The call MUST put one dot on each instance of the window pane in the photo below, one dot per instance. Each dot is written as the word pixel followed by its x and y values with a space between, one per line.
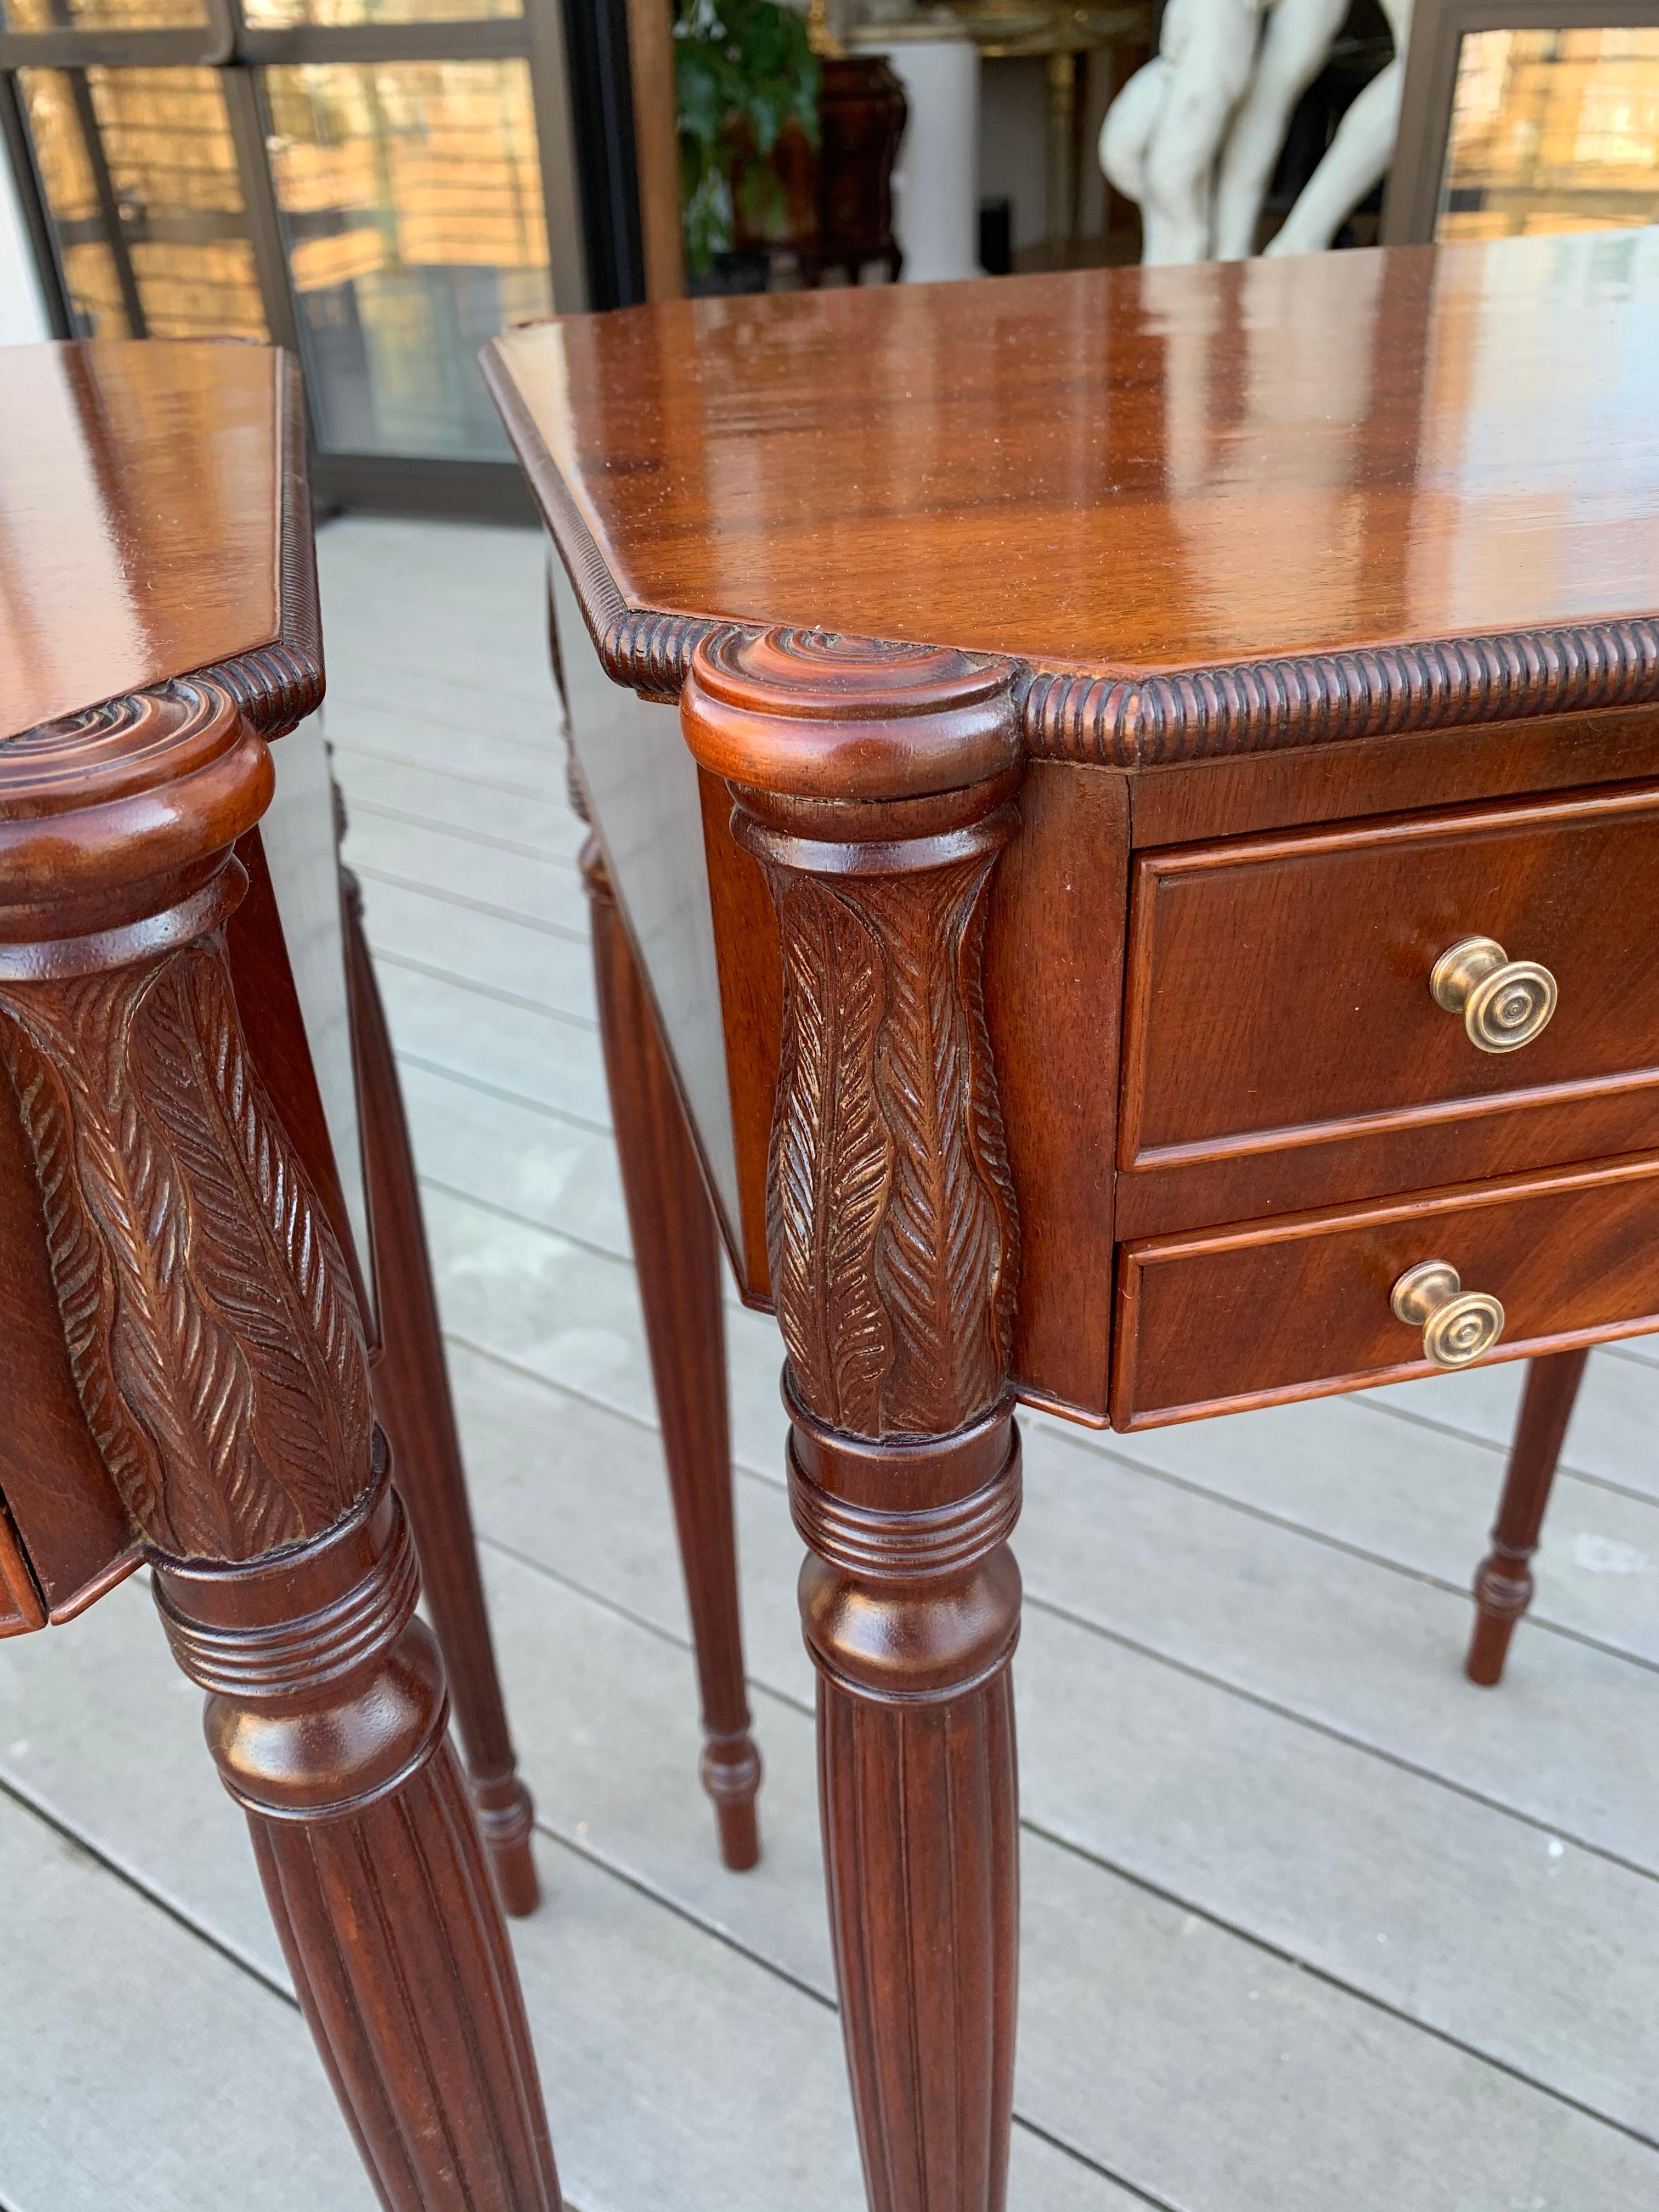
pixel 102 15
pixel 200 291
pixel 60 145
pixel 1551 131
pixel 412 204
pixel 95 290
pixel 140 178
pixel 284 15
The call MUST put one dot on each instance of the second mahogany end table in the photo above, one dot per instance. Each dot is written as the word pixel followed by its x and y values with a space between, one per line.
pixel 1132 805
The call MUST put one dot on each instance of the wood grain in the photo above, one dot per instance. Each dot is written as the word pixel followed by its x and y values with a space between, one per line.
pixel 1221 509
pixel 142 512
pixel 63 1510
pixel 21 1604
pixel 325 1715
pixel 672 1229
pixel 1297 969
pixel 208 1319
pixel 212 1330
pixel 749 959
pixel 1503 1581
pixel 1054 954
pixel 1234 795
pixel 1269 1311
pixel 892 1236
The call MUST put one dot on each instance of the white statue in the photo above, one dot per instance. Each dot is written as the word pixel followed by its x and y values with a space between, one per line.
pixel 1356 158
pixel 1159 141
pixel 1193 136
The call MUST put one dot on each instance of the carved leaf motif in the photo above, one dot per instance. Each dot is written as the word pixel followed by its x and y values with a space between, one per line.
pixel 271 1268
pixel 83 1279
pixel 134 1206
pixel 831 1159
pixel 985 1130
pixel 212 1334
pixel 939 1253
pixel 891 1220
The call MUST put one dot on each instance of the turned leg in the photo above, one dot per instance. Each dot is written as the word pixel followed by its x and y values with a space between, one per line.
pixel 873 784
pixel 911 1617
pixel 1503 1581
pixel 326 1715
pixel 411 1390
pixel 676 1247
pixel 214 1339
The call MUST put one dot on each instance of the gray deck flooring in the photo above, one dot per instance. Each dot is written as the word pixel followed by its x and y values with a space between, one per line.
pixel 1309 1923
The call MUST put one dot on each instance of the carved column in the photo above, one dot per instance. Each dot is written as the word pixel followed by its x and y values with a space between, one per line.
pixel 218 1355
pixel 873 784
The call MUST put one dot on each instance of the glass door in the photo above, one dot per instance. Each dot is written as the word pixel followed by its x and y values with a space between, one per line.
pixel 382 184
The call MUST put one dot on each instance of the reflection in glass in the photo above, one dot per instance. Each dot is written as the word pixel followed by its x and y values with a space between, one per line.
pixel 286 15
pixel 140 177
pixel 411 205
pixel 1551 131
pixel 102 15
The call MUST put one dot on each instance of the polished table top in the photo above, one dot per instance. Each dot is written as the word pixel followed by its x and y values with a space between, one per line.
pixel 1126 469
pixel 140 488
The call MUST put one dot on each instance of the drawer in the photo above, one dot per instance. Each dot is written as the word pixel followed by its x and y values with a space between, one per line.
pixel 1295 1307
pixel 1277 989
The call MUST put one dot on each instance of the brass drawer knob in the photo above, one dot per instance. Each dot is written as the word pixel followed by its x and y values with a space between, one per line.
pixel 1457 1325
pixel 1505 1003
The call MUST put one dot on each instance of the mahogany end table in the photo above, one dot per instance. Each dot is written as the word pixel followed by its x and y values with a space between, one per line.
pixel 208 1286
pixel 1132 801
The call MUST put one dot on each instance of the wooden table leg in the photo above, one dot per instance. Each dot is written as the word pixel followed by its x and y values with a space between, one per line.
pixel 412 1388
pixel 327 1715
pixel 1503 1581
pixel 218 1355
pixel 676 1248
pixel 893 1243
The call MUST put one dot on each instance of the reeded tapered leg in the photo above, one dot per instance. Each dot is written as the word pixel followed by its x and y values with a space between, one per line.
pixel 911 1616
pixel 1503 1581
pixel 412 1390
pixel 676 1248
pixel 326 1714
pixel 213 1337
pixel 872 783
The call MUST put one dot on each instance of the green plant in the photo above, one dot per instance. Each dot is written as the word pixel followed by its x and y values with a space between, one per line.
pixel 743 71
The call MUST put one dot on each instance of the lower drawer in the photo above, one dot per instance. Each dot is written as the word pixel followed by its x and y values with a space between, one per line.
pixel 1296 1307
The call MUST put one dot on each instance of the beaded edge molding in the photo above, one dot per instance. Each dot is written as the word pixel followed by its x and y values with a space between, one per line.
pixel 277 685
pixel 1099 720
pixel 1266 706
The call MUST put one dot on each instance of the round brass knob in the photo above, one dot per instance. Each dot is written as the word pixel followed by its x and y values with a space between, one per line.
pixel 1505 1003
pixel 1457 1325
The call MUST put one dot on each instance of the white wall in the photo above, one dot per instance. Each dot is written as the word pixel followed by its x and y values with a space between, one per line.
pixel 22 316
pixel 1013 142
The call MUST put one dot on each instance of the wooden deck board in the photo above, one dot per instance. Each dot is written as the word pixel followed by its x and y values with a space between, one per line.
pixel 141 2068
